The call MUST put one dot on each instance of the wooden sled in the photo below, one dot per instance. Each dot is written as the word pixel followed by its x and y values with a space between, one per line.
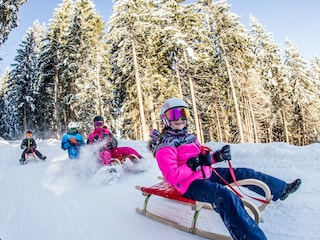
pixel 29 157
pixel 165 190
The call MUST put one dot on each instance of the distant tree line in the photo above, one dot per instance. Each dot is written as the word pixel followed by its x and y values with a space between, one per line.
pixel 239 84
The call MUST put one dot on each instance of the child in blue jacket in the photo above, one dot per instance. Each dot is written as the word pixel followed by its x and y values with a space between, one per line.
pixel 72 141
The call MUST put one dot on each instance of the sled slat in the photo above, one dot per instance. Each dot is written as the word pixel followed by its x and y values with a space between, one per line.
pixel 201 233
pixel 166 190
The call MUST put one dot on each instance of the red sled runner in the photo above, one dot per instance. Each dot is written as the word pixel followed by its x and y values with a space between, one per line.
pixel 165 190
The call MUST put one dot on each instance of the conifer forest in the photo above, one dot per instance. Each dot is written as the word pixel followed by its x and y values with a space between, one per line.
pixel 240 85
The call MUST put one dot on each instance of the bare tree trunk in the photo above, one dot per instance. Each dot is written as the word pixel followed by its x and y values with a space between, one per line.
pixel 56 112
pixel 25 118
pixel 254 124
pixel 139 91
pixel 178 77
pixel 235 100
pixel 218 126
pixel 285 126
pixel 152 113
pixel 99 87
pixel 268 128
pixel 193 98
pixel 201 131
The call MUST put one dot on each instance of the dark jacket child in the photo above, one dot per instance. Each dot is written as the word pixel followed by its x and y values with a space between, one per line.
pixel 29 145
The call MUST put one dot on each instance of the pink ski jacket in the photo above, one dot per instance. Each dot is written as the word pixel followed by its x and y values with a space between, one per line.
pixel 172 163
pixel 98 134
pixel 103 134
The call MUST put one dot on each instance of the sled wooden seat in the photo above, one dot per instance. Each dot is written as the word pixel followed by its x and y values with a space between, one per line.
pixel 166 190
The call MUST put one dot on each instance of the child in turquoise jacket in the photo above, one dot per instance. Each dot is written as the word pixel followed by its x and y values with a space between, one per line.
pixel 72 141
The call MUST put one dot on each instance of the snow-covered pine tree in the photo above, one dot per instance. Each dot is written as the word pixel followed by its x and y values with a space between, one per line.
pixel 9 18
pixel 304 118
pixel 23 84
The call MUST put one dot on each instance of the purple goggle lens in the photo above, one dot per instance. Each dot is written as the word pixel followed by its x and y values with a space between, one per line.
pixel 98 124
pixel 176 113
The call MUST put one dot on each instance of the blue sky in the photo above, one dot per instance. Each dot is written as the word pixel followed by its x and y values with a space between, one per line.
pixel 293 19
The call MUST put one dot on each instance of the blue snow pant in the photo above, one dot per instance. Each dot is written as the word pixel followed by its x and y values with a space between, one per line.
pixel 228 205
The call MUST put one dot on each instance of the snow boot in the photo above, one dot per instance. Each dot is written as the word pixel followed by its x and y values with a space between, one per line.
pixel 22 161
pixel 291 188
pixel 43 158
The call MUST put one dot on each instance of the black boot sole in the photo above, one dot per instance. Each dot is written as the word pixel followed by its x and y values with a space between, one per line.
pixel 293 187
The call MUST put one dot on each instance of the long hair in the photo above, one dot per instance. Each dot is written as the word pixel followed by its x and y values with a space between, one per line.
pixel 154 140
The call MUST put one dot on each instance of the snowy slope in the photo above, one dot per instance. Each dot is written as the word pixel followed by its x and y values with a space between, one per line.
pixel 57 199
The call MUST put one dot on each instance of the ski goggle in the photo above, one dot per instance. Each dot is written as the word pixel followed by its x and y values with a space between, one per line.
pixel 73 129
pixel 98 124
pixel 175 113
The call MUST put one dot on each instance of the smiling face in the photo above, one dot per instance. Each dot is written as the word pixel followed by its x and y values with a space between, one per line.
pixel 178 124
pixel 177 117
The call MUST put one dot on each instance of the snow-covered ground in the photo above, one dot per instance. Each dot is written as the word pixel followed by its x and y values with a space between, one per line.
pixel 58 199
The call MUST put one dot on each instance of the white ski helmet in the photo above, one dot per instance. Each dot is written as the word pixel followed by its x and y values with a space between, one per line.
pixel 169 104
pixel 73 126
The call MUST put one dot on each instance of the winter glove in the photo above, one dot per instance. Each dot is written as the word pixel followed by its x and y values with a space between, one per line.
pixel 112 142
pixel 73 141
pixel 222 155
pixel 112 145
pixel 105 136
pixel 205 159
pixel 195 163
pixel 96 138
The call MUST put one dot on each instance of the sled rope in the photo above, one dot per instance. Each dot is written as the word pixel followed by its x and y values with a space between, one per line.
pixel 236 183
pixel 265 201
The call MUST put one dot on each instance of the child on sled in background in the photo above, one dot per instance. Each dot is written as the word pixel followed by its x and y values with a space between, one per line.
pixel 72 141
pixel 29 145
pixel 109 149
pixel 186 166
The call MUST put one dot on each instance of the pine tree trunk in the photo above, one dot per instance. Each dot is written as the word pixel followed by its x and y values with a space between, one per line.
pixel 193 98
pixel 139 91
pixel 285 126
pixel 55 106
pixel 235 100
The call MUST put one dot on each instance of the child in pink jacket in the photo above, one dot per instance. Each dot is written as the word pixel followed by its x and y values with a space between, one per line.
pixel 186 166
pixel 110 147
